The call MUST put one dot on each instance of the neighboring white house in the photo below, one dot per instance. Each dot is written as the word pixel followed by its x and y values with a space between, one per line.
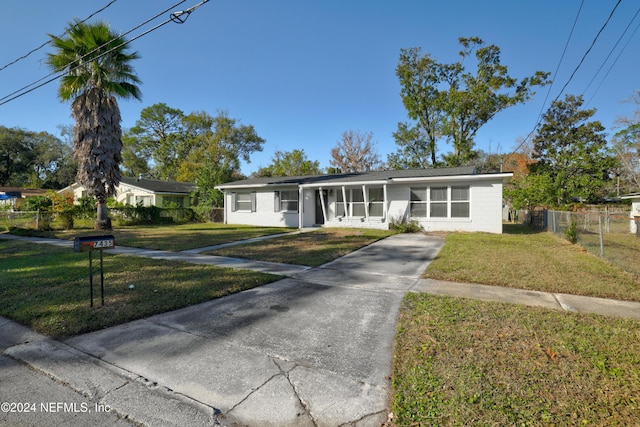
pixel 145 192
pixel 14 197
pixel 635 211
pixel 443 199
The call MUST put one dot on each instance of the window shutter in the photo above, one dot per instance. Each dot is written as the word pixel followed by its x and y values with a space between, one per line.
pixel 233 202
pixel 276 201
pixel 253 201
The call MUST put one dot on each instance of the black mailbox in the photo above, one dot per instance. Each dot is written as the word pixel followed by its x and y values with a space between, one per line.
pixel 93 243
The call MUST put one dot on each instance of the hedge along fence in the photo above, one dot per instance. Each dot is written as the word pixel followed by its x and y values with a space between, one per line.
pixel 140 215
pixel 130 215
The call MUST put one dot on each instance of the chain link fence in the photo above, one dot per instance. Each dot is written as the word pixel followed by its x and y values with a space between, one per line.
pixel 611 234
pixel 24 219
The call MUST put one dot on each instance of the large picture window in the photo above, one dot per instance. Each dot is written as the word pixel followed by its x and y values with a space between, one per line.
pixel 440 202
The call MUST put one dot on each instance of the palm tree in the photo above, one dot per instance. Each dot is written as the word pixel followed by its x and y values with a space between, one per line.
pixel 97 68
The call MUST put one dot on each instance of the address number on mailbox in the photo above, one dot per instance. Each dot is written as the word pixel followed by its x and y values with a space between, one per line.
pixel 91 243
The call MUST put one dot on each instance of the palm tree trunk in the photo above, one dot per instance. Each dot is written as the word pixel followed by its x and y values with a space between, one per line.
pixel 103 222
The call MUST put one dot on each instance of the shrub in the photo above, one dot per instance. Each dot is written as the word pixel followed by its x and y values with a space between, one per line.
pixel 571 232
pixel 404 225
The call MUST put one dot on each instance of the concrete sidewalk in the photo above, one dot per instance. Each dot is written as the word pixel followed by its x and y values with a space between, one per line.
pixel 314 349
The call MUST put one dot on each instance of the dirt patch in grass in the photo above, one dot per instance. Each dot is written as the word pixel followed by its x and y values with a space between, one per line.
pixel 463 362
pixel 47 288
pixel 313 248
pixel 528 260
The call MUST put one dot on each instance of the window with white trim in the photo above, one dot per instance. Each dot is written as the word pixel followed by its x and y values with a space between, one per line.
pixel 376 201
pixel 245 202
pixel 440 202
pixel 144 201
pixel 460 202
pixel 286 201
pixel 355 202
pixel 418 208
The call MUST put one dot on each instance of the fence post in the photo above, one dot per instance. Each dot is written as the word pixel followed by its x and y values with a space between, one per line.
pixel 601 237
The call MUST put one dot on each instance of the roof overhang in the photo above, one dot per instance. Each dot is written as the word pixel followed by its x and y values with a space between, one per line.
pixel 503 177
pixel 223 187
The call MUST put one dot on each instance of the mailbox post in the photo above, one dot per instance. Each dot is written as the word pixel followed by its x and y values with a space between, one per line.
pixel 90 244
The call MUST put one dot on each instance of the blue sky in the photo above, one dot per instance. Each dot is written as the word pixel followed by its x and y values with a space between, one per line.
pixel 303 72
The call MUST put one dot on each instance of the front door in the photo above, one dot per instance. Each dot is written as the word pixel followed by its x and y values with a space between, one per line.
pixel 319 216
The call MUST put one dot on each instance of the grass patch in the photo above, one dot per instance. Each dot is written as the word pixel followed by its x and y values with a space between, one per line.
pixel 463 362
pixel 47 288
pixel 312 249
pixel 523 259
pixel 621 249
pixel 172 237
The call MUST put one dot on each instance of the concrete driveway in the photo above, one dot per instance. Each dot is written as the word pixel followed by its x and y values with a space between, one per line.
pixel 311 350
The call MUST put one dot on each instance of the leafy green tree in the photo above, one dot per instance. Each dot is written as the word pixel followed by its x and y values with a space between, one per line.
pixel 447 102
pixel 214 147
pixel 155 136
pixel 415 147
pixel 16 157
pixel 34 159
pixel 290 163
pixel 97 67
pixel 530 191
pixel 572 152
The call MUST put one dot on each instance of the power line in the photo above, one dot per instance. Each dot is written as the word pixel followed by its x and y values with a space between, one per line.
pixel 588 50
pixel 60 36
pixel 615 60
pixel 555 73
pixel 574 71
pixel 54 76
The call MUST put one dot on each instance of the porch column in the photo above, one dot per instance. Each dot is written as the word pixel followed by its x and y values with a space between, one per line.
pixel 384 200
pixel 366 201
pixel 324 209
pixel 344 202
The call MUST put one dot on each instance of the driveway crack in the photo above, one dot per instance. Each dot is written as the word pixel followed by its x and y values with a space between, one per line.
pixel 304 404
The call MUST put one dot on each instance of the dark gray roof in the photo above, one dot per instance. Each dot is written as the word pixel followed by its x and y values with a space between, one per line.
pixel 352 177
pixel 158 186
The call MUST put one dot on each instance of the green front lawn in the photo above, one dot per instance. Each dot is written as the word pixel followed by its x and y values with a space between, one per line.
pixel 521 258
pixel 173 237
pixel 47 288
pixel 460 362
pixel 463 362
pixel 311 248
